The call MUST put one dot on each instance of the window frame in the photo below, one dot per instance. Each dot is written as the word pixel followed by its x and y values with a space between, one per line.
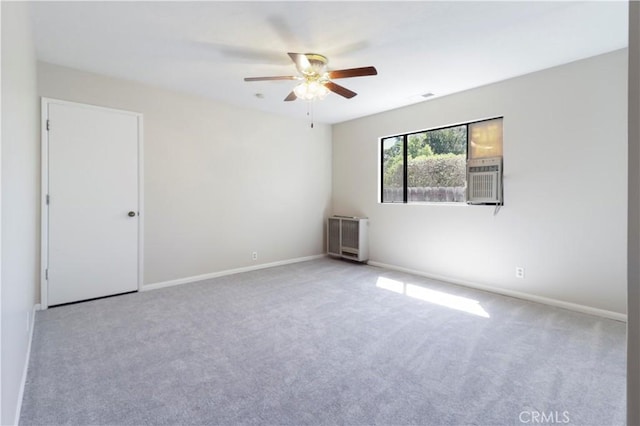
pixel 405 162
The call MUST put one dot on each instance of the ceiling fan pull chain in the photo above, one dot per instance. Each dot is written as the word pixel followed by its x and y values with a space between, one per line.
pixel 310 112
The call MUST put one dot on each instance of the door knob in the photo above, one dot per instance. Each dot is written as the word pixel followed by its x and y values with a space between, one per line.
pixel 132 214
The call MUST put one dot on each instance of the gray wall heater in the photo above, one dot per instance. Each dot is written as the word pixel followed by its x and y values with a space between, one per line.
pixel 347 237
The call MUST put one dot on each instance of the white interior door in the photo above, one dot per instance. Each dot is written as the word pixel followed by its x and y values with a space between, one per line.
pixel 93 211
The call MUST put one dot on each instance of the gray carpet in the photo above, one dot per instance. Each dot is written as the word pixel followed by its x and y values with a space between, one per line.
pixel 322 342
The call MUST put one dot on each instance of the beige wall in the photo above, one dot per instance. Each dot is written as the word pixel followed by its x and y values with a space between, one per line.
pixel 633 327
pixel 20 199
pixel 220 182
pixel 565 187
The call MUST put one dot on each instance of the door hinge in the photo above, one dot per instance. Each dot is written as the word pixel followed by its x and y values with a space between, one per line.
pixel 47 199
pixel 47 125
pixel 46 274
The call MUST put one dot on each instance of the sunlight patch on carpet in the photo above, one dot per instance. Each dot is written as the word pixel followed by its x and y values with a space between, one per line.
pixel 459 303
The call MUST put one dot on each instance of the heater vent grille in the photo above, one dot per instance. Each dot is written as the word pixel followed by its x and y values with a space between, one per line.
pixel 334 235
pixel 350 232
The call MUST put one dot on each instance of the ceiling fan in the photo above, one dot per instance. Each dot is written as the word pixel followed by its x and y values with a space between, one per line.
pixel 315 79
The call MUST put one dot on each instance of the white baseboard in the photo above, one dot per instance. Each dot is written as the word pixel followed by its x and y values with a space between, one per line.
pixel 519 295
pixel 179 281
pixel 23 381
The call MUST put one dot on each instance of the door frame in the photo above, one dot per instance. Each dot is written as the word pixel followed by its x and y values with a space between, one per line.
pixel 44 190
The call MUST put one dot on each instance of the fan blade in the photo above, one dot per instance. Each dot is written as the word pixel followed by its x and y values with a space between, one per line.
pixel 301 60
pixel 294 56
pixel 284 77
pixel 291 97
pixel 353 72
pixel 342 91
pixel 250 55
pixel 281 27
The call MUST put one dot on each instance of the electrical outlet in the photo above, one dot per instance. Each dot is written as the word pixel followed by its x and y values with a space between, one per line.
pixel 519 272
pixel 254 255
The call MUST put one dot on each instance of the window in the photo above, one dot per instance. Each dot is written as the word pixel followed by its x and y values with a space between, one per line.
pixel 485 138
pixel 430 166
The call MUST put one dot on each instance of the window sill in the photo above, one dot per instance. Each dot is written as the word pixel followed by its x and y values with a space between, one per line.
pixel 427 203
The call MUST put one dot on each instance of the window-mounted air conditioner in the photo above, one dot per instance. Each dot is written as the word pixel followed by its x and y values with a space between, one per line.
pixel 347 237
pixel 484 181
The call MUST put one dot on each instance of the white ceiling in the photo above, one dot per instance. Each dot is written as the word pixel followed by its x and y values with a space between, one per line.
pixel 206 48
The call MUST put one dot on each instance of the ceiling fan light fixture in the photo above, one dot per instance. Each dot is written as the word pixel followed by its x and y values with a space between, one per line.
pixel 310 90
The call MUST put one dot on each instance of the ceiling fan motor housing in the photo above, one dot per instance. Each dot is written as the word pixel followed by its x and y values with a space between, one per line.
pixel 316 66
